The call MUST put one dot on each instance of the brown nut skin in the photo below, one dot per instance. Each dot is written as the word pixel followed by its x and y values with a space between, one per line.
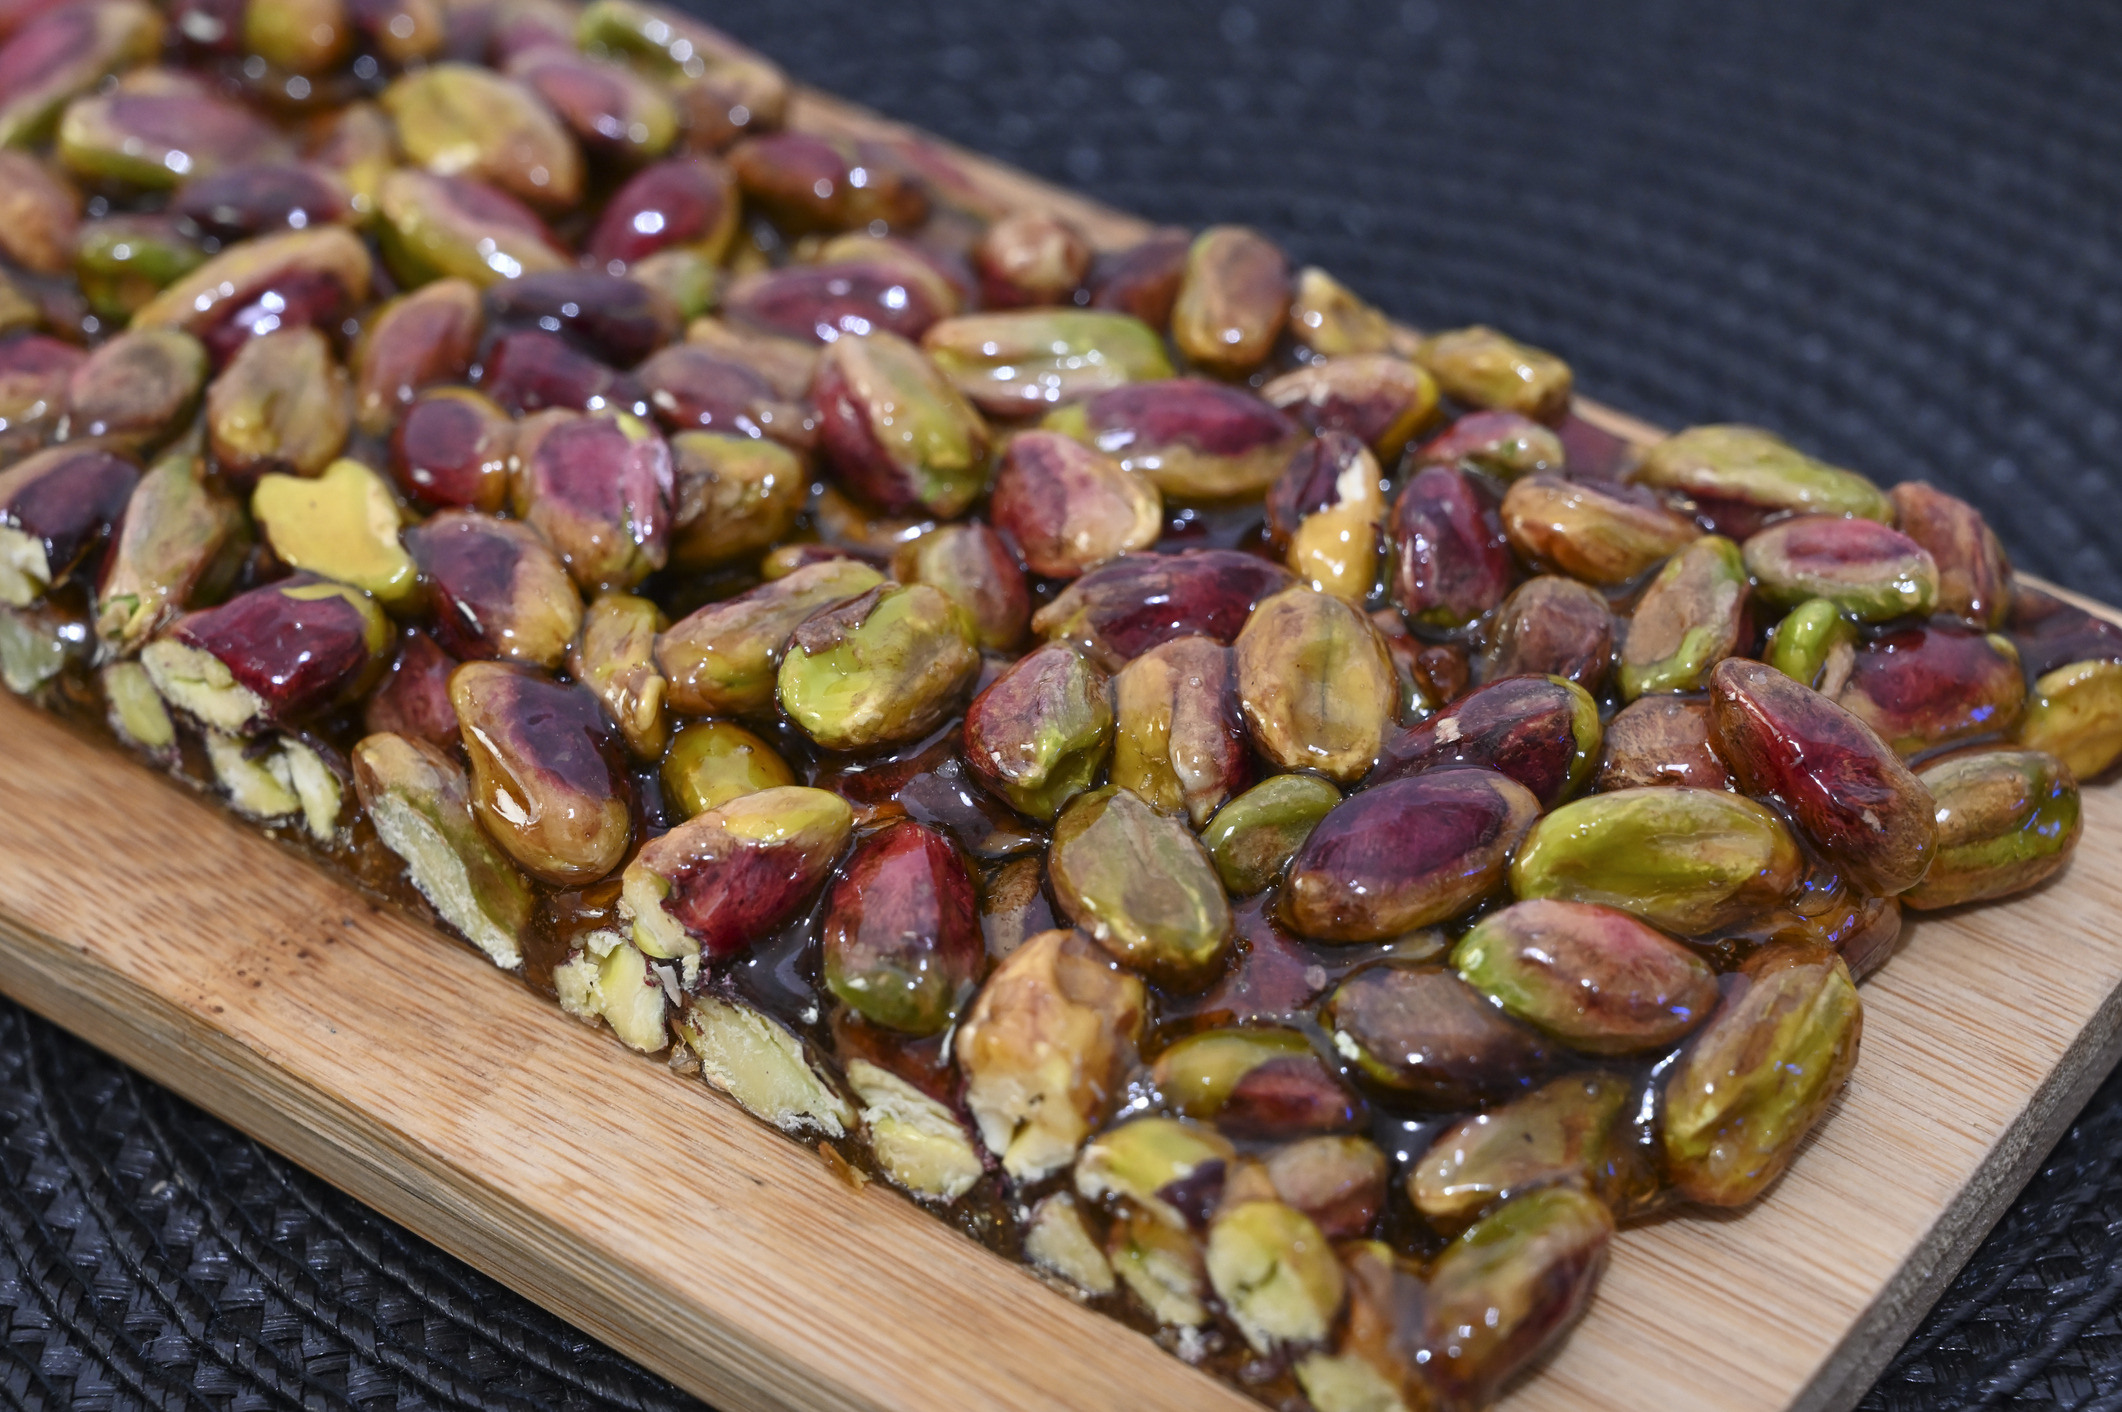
pixel 1233 300
pixel 1506 445
pixel 732 497
pixel 1045 1049
pixel 615 658
pixel 544 780
pixel 1600 534
pixel 1315 683
pixel 1597 979
pixel 1143 887
pixel 1143 279
pixel 1421 1032
pixel 895 430
pixel 1069 508
pixel 40 214
pixel 973 567
pixel 287 651
pixel 682 203
pixel 413 698
pixel 1451 562
pixel 1755 1079
pixel 1661 740
pixel 1180 743
pixel 451 450
pixel 1543 732
pixel 811 183
pixel 1029 258
pixel 1410 853
pixel 2008 820
pixel 56 508
pixel 1379 399
pixel 1850 794
pixel 1197 441
pixel 1013 906
pixel 1553 626
pixel 725 880
pixel 264 285
pixel 1568 1132
pixel 34 372
pixel 282 404
pixel 614 319
pixel 1040 733
pixel 1482 368
pixel 901 939
pixel 1974 577
pixel 1924 687
pixel 497 588
pixel 1869 571
pixel 1256 1084
pixel 1120 610
pixel 599 489
pixel 721 660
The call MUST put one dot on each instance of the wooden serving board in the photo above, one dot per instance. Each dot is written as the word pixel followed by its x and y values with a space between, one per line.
pixel 393 1062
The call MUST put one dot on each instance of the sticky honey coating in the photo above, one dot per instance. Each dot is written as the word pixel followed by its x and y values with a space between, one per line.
pixel 1095 732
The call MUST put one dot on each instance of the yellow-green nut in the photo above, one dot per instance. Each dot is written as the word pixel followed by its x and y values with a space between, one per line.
pixel 1870 571
pixel 1687 621
pixel 2007 820
pixel 882 669
pixel 1021 361
pixel 182 541
pixel 282 403
pixel 1233 300
pixel 721 660
pixel 463 120
pixel 1331 320
pixel 1752 1083
pixel 1316 683
pixel 123 262
pixel 431 227
pixel 1565 1133
pixel 1039 735
pixel 2075 714
pixel 614 656
pixel 1815 644
pixel 1141 884
pixel 1688 860
pixel 343 524
pixel 732 496
pixel 1746 466
pixel 1480 367
pixel 1169 1169
pixel 1256 1083
pixel 1276 1274
pixel 1252 838
pixel 420 803
pixel 710 763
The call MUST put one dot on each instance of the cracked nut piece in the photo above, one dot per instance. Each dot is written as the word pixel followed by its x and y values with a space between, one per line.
pixel 544 780
pixel 275 654
pixel 1689 619
pixel 1568 1132
pixel 420 803
pixel 1752 1083
pixel 1142 885
pixel 1162 1267
pixel 1045 1049
pixel 1276 1274
pixel 722 659
pixel 1406 854
pixel 710 763
pixel 1252 838
pixel 1687 860
pixel 1040 733
pixel 283 403
pixel 615 658
pixel 1601 535
pixel 1069 508
pixel 882 669
pixel 762 1066
pixel 728 877
pixel 1451 561
pixel 271 778
pixel 1058 1242
pixel 179 545
pixel 1483 368
pixel 901 939
pixel 1596 979
pixel 1542 732
pixel 919 1142
pixel 2008 820
pixel 1328 510
pixel 1263 1084
pixel 2074 712
pixel 497 588
pixel 1195 440
pixel 1422 1032
pixel 342 525
pixel 1740 477
pixel 1868 570
pixel 57 507
pixel 1180 744
pixel 1233 300
pixel 619 987
pixel 1315 683
pixel 898 434
pixel 1845 789
pixel 1168 1169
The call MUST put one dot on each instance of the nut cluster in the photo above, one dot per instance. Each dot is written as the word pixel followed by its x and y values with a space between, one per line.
pixel 1271 819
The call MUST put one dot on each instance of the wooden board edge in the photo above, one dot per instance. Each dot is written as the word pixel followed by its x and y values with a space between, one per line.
pixel 374 1165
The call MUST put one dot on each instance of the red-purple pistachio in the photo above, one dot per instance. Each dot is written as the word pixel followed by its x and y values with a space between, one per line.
pixel 451 449
pixel 1422 1032
pixel 1195 440
pixel 56 508
pixel 1120 610
pixel 974 568
pixel 273 655
pixel 1377 398
pixel 544 771
pixel 1974 578
pixel 897 433
pixel 901 941
pixel 726 879
pixel 822 303
pixel 1553 626
pixel 1040 733
pixel 1029 258
pixel 413 698
pixel 1924 687
pixel 263 196
pixel 1142 280
pixel 1542 732
pixel 812 183
pixel 412 343
pixel 1070 508
pixel 531 370
pixel 1506 445
pixel 1603 534
pixel 599 488
pixel 497 588
pixel 1661 740
pixel 1596 979
pixel 614 319
pixel 693 388
pixel 1233 300
pixel 1451 562
pixel 683 203
pixel 1181 744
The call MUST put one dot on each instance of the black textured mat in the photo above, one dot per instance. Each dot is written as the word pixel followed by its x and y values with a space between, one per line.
pixel 1891 230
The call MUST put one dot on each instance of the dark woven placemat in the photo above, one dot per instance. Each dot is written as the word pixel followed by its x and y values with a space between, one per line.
pixel 1892 230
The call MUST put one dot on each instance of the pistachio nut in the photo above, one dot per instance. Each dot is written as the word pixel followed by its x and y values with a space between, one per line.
pixel 762 1066
pixel 123 262
pixel 1974 577
pixel 1332 322
pixel 882 669
pixel 1264 1084
pixel 1814 645
pixel 1660 740
pixel 1686 860
pixel 272 778
pixel 731 876
pixel 1869 571
pixel 1057 1241
pixel 695 388
pixel 616 114
pixel 1193 439
pixel 1142 886
pixel 66 51
pixel 413 698
pixel 1233 300
pixel 1315 684
pixel 274 655
pixel 1689 619
pixel 410 344
pixel 1023 361
pixel 807 182
pixel 1755 1079
pixel 134 709
pixel 179 545
pixel 1451 562
pixel 1013 906
pixel 1482 368
pixel 283 403
pixel 1542 732
pixel 1566 1133
pixel 901 939
pixel 355 145
pixel 451 450
pixel 825 303
pixel 1142 280
pixel 342 525
pixel 1596 979
pixel 1553 626
pixel 2074 713
pixel 433 227
pixel 896 432
pixel 732 497
pixel 1180 744
pixel 421 806
pixel 497 588
pixel 1602 534
pixel 615 658
pixel 1407 854
pixel 264 285
pixel 2051 633
pixel 1740 477
pixel 1168 1169
pixel 1378 398
pixel 1923 687
pixel 459 120
pixel 138 389
pixel 620 988
pixel 1045 1049
pixel 1030 258
pixel 1845 789
pixel 534 370
pixel 1337 1180
pixel 1252 838
pixel 973 567
pixel 40 214
pixel 1276 1274
pixel 1421 1032
pixel 34 372
pixel 545 781
pixel 1506 445
pixel 1121 609
pixel 2008 820
pixel 918 1141
pixel 710 763
pixel 1040 733
pixel 612 318
pixel 1069 508
pixel 297 36
pixel 156 130
pixel 57 507
pixel 1163 1267
pixel 1329 507
pixel 722 659
pixel 683 203
pixel 599 489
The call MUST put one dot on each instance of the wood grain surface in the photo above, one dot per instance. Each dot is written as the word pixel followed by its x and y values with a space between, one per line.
pixel 393 1062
